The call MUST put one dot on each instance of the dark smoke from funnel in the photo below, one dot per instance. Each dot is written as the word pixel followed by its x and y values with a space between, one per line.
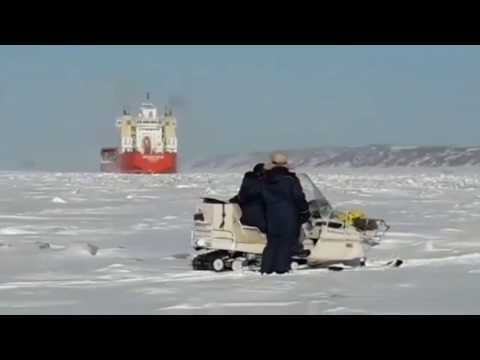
pixel 178 103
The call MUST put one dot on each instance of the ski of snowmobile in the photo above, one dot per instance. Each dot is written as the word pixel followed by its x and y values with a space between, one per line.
pixel 394 263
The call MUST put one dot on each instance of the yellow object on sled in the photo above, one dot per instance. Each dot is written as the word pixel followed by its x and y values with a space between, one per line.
pixel 349 217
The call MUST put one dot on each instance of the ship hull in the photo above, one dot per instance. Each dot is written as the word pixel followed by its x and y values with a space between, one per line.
pixel 137 163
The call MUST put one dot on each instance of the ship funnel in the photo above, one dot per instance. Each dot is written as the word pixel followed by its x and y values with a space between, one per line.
pixel 148 95
pixel 168 111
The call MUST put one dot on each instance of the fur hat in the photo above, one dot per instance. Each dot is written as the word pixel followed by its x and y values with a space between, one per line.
pixel 278 159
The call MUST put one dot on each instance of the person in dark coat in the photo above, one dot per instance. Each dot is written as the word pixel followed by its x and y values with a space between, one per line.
pixel 250 198
pixel 286 209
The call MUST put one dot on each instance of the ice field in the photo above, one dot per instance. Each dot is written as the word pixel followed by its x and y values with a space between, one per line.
pixel 91 243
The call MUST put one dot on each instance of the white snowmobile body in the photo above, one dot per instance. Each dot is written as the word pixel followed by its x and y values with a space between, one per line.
pixel 219 234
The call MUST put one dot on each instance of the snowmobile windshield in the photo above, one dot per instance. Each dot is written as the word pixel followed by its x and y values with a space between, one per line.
pixel 319 205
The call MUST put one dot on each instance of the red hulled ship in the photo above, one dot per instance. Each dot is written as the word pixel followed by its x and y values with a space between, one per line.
pixel 148 143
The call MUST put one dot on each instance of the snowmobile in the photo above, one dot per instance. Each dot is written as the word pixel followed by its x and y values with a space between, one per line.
pixel 334 238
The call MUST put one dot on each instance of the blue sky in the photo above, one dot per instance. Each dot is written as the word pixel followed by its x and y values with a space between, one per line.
pixel 58 104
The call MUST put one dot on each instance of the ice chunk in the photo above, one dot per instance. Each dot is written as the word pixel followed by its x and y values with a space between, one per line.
pixel 92 249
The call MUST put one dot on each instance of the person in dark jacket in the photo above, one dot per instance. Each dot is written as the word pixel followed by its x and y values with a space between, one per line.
pixel 250 198
pixel 286 209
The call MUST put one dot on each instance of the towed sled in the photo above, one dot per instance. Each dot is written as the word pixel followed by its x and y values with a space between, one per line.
pixel 335 239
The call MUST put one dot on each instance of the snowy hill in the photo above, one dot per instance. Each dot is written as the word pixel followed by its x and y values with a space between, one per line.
pixel 364 156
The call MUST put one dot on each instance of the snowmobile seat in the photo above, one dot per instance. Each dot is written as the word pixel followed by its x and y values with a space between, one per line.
pixel 208 200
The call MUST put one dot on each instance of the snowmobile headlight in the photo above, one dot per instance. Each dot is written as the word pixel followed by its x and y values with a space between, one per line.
pixel 196 238
pixel 200 243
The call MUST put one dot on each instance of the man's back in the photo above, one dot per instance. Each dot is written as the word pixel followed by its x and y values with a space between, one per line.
pixel 284 202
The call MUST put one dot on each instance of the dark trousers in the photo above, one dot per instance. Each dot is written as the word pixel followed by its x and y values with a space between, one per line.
pixel 277 255
pixel 298 245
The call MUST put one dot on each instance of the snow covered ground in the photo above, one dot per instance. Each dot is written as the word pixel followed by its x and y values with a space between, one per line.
pixel 86 243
